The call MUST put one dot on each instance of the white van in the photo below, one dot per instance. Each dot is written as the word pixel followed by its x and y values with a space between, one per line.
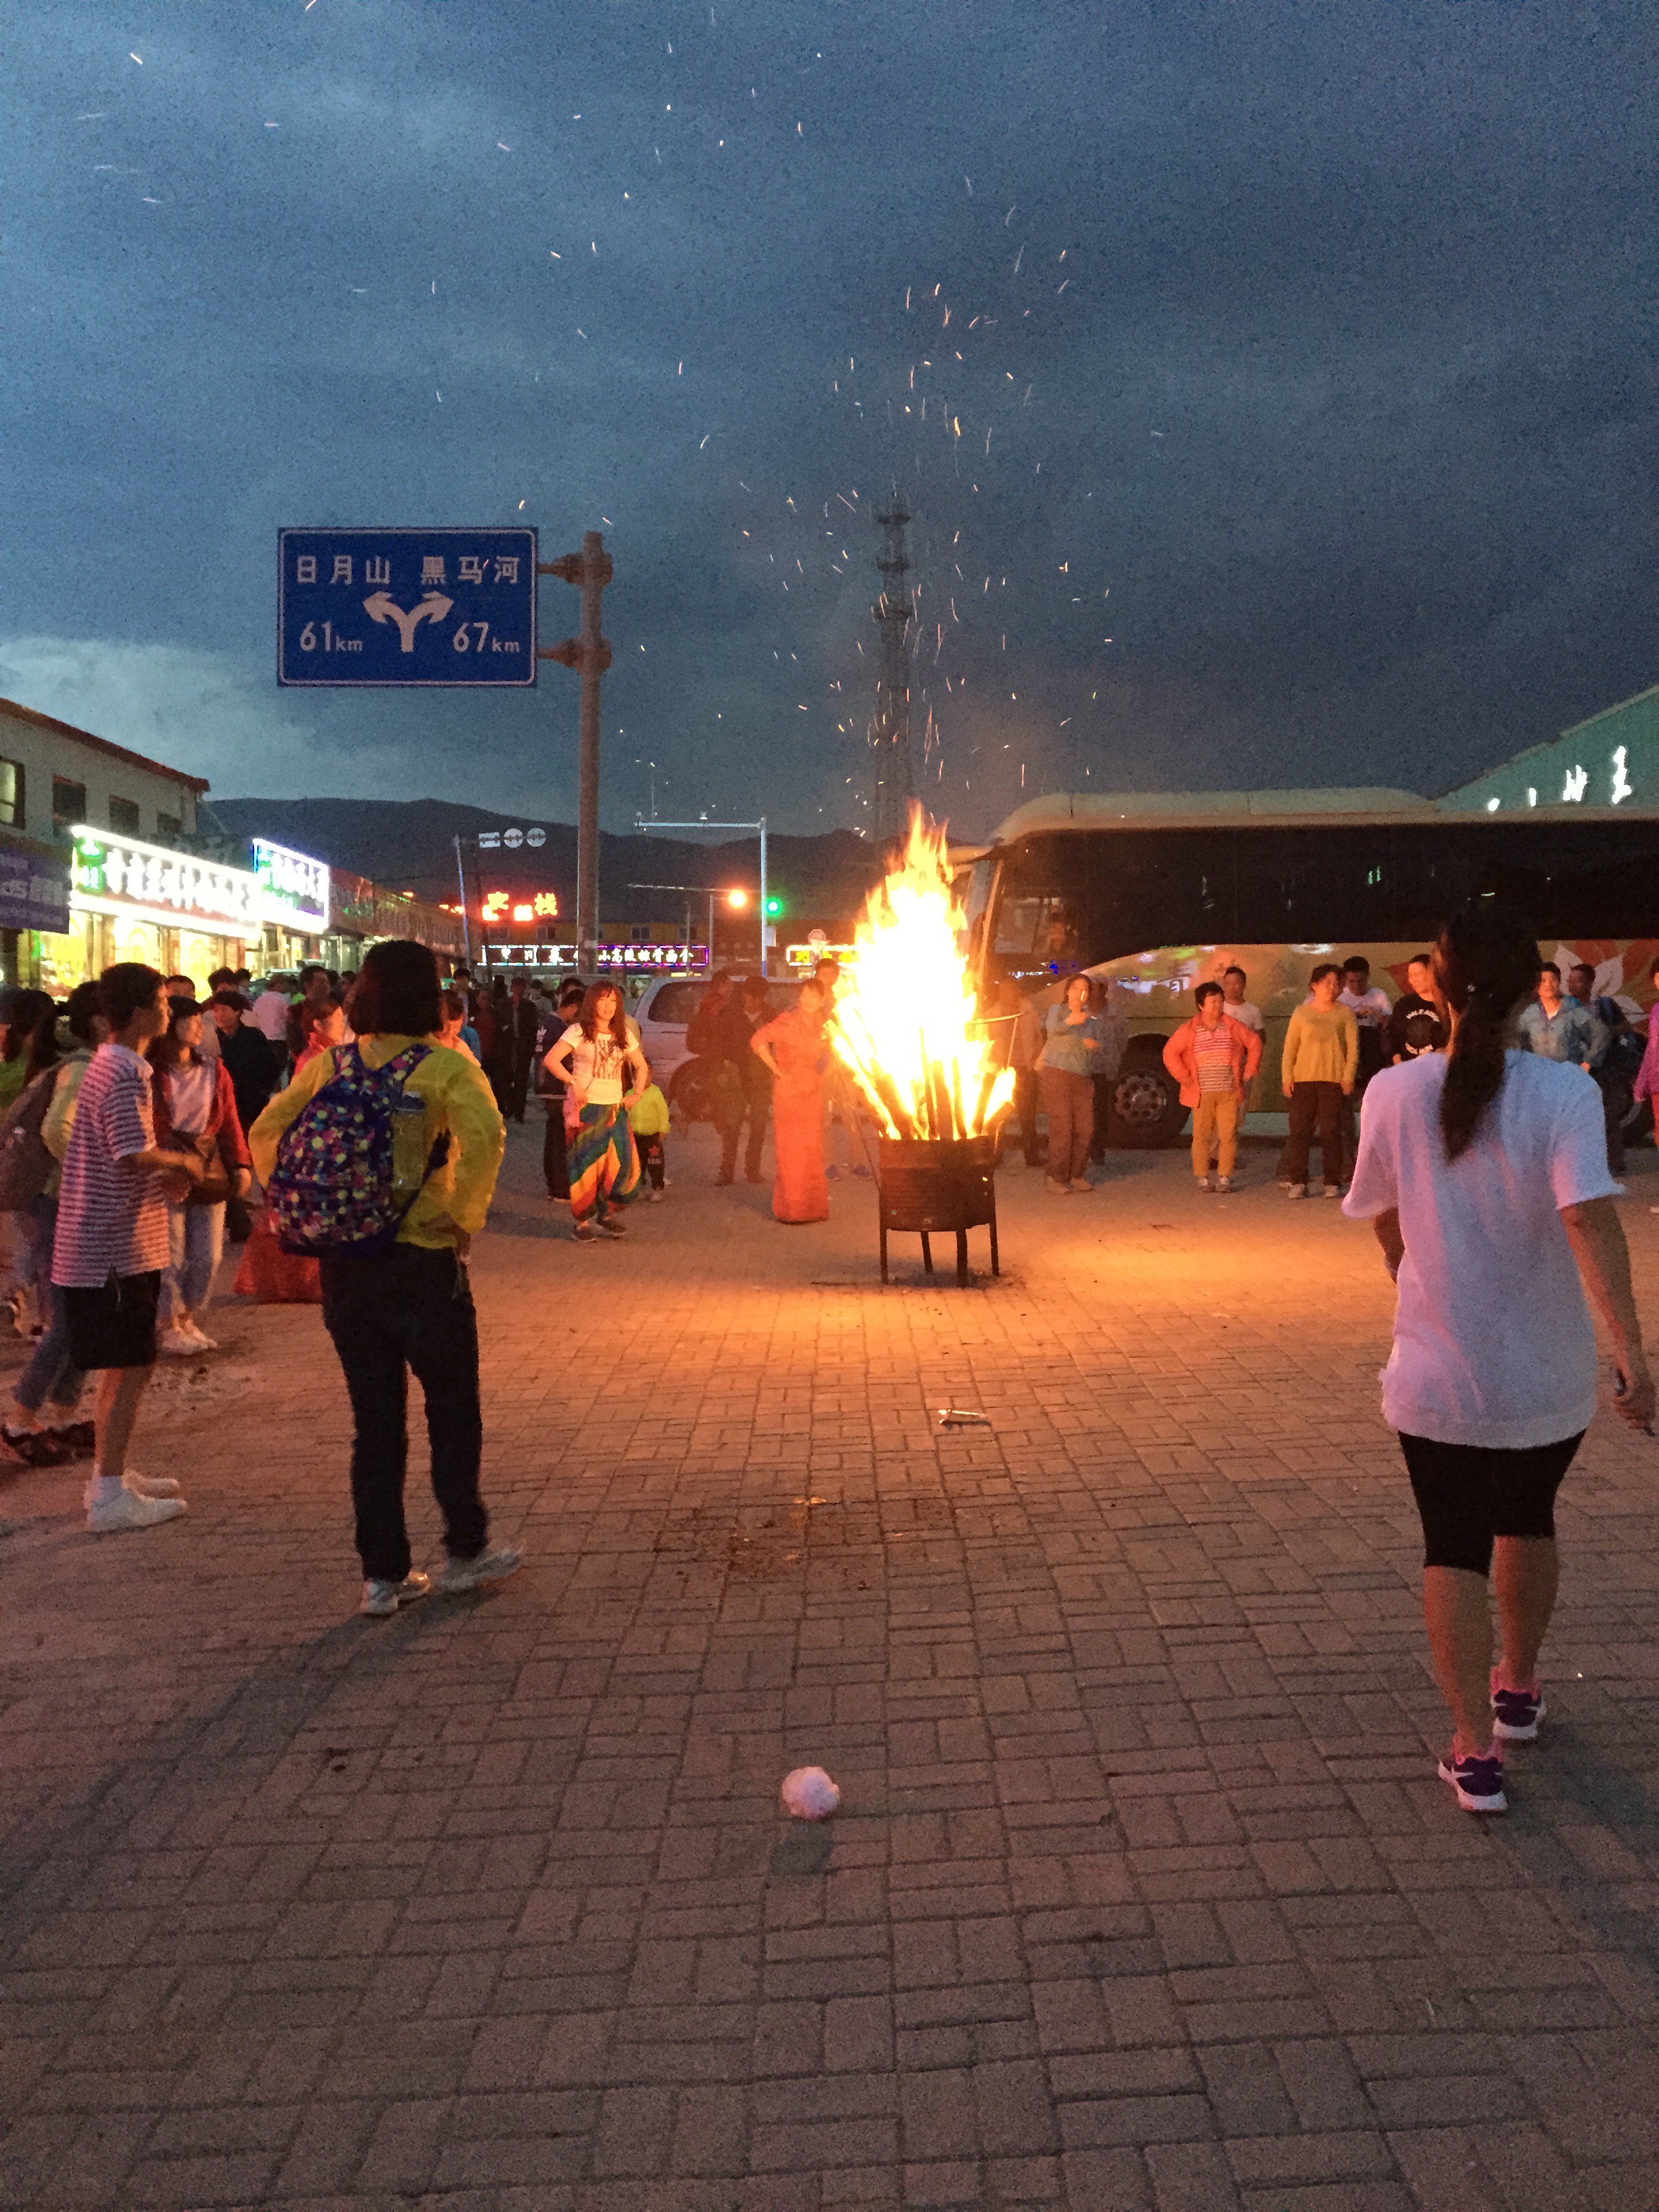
pixel 664 1014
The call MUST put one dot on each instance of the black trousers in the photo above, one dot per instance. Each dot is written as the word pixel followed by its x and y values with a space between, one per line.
pixel 757 1105
pixel 1026 1113
pixel 1617 1095
pixel 517 1089
pixel 411 1308
pixel 1324 1103
pixel 556 1168
pixel 653 1160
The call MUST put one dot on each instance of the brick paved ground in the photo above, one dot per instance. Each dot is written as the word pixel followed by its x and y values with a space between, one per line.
pixel 1143 1895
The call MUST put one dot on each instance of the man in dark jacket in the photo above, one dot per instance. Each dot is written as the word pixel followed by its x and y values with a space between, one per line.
pixel 249 1058
pixel 744 1013
pixel 522 1025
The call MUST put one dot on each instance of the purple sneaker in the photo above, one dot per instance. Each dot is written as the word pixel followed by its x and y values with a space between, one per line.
pixel 1518 1711
pixel 1477 1780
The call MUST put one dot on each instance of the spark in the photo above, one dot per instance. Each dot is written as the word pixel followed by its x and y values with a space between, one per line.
pixel 503 143
pixel 137 58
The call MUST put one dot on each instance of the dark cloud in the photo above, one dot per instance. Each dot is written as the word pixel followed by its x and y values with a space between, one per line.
pixel 1317 336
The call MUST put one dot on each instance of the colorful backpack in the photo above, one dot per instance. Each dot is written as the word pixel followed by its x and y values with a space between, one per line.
pixel 332 1192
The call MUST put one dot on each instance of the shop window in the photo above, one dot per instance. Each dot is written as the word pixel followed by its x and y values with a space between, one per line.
pixel 11 794
pixel 169 825
pixel 69 803
pixel 125 815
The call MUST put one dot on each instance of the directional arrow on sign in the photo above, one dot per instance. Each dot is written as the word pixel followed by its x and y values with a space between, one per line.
pixel 382 608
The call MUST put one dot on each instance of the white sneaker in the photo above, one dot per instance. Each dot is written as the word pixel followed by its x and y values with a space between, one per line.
pixel 110 1517
pixel 1296 1190
pixel 174 1342
pixel 1224 1183
pixel 1332 1190
pixel 654 1198
pixel 1204 1183
pixel 150 1486
pixel 493 1565
pixel 381 1598
pixel 199 1336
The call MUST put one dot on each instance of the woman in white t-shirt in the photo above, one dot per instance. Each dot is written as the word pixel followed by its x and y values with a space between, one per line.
pixel 1484 1170
pixel 600 1057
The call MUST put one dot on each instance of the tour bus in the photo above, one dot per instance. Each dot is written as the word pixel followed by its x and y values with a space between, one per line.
pixel 1155 892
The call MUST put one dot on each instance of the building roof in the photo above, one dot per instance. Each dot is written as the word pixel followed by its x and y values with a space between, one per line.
pixel 1179 809
pixel 99 744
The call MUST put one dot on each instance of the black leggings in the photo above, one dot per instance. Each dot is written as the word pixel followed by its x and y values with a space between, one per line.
pixel 1466 1494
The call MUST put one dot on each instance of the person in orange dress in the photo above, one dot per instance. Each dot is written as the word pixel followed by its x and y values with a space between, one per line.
pixel 793 1047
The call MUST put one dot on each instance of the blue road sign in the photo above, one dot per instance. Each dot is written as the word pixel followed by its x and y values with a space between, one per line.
pixel 432 607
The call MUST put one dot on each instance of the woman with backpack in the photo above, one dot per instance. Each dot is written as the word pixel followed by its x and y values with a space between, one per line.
pixel 381 1158
pixel 195 1109
pixel 600 1057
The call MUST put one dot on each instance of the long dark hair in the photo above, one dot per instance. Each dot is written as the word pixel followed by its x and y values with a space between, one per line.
pixel 1486 963
pixel 589 1016
pixel 396 992
pixel 33 1023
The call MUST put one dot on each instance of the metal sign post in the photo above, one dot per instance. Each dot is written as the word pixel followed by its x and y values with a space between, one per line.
pixel 590 571
pixel 767 931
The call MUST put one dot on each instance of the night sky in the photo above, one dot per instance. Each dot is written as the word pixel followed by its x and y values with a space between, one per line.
pixel 1293 421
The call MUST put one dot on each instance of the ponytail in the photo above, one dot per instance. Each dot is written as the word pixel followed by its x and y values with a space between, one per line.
pixel 1486 963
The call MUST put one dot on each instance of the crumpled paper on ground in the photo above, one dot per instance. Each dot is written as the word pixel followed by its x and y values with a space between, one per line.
pixel 808 1794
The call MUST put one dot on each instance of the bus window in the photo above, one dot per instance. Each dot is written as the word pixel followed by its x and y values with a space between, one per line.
pixel 1040 910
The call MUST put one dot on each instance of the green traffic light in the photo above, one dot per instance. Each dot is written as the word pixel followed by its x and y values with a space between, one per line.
pixel 774 907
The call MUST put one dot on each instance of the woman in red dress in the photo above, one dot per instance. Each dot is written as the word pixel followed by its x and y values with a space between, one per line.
pixel 793 1047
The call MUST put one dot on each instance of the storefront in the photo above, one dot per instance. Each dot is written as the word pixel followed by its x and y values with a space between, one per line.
pixel 34 898
pixel 294 904
pixel 130 901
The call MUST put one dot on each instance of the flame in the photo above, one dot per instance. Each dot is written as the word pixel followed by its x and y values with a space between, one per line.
pixel 906 1024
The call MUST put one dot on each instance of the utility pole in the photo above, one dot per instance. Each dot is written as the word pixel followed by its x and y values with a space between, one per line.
pixel 890 731
pixel 590 570
pixel 467 926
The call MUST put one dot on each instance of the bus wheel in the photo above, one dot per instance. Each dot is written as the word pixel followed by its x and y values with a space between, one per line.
pixel 1146 1107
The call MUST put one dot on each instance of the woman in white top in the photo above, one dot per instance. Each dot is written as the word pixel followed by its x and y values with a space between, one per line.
pixel 1484 1170
pixel 600 1057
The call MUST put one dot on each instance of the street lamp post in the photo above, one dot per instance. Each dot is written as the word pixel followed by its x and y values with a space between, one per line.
pixel 640 824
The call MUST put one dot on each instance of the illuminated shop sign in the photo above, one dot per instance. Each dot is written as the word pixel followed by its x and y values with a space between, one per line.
pixel 119 875
pixel 808 956
pixel 294 886
pixel 605 956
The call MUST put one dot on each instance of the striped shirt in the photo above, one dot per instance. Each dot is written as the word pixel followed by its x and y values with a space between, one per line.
pixel 1212 1056
pixel 111 1218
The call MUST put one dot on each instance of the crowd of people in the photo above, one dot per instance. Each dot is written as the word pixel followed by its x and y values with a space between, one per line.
pixel 372 1111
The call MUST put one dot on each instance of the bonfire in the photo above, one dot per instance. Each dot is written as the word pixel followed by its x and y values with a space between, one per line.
pixel 906 1025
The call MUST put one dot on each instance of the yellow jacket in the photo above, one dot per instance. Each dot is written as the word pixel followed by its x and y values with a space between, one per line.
pixel 648 1114
pixel 454 1098
pixel 1321 1045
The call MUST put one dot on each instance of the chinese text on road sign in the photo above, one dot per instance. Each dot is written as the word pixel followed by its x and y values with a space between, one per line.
pixel 406 606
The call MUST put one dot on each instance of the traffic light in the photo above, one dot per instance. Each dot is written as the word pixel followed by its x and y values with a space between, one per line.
pixel 774 907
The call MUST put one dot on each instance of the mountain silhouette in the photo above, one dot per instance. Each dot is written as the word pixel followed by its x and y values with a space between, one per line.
pixel 408 845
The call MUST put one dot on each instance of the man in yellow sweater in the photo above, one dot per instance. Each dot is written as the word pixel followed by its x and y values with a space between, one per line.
pixel 409 1306
pixel 1321 1056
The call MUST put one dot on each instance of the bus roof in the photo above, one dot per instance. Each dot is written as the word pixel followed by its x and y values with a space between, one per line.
pixel 1331 804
